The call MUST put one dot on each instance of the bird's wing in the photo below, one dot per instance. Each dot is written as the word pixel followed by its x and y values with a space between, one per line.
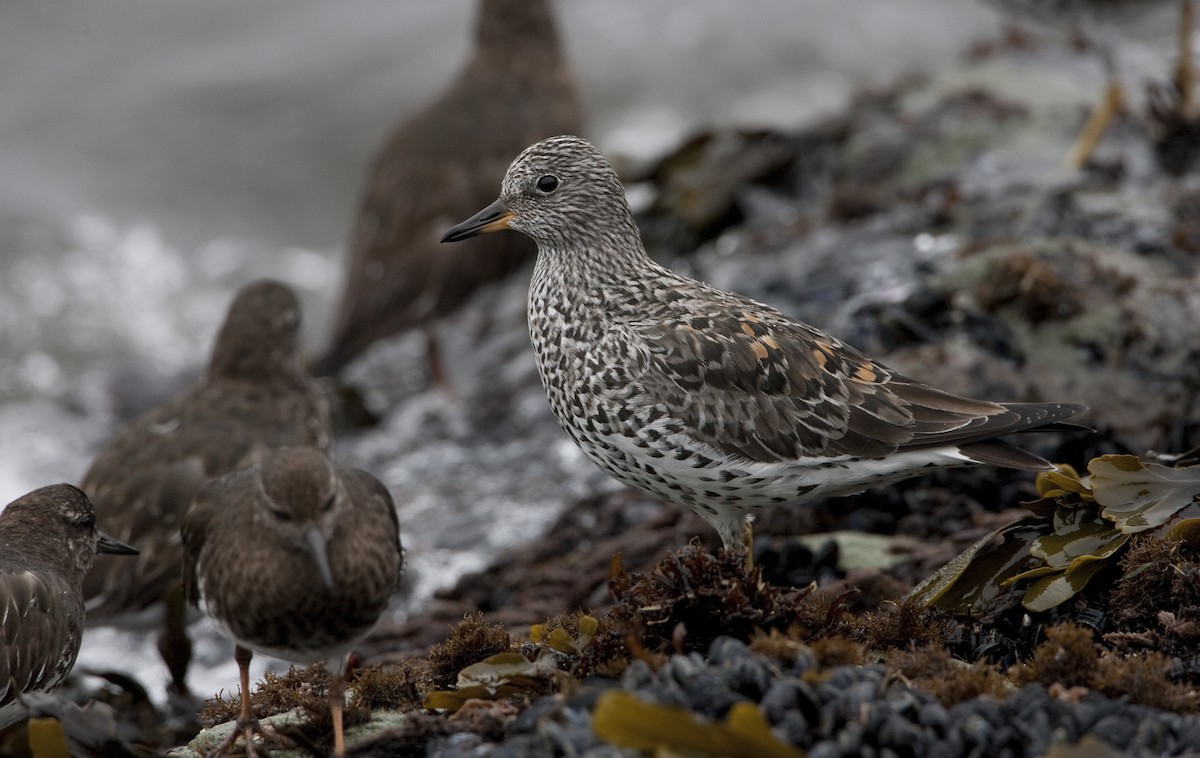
pixel 752 383
pixel 370 493
pixel 34 635
pixel 205 507
pixel 152 503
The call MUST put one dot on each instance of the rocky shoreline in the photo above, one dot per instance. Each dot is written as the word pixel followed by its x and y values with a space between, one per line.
pixel 931 226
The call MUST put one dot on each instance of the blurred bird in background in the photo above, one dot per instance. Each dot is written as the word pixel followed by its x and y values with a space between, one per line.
pixel 254 398
pixel 442 165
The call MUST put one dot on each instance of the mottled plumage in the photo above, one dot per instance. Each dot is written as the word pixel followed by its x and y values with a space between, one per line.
pixel 47 541
pixel 254 397
pixel 441 165
pixel 295 557
pixel 706 397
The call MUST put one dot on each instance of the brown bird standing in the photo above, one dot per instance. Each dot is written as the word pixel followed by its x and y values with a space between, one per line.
pixel 255 397
pixel 441 166
pixel 48 539
pixel 295 557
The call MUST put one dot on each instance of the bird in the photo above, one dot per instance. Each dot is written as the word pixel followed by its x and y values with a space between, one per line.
pixel 442 164
pixel 48 539
pixel 295 557
pixel 255 396
pixel 1098 21
pixel 705 397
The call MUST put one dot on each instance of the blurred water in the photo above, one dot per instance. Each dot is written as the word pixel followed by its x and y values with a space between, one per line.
pixel 157 156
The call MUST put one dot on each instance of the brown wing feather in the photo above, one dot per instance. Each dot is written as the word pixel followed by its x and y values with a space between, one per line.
pixel 371 495
pixel 35 637
pixel 808 394
pixel 215 500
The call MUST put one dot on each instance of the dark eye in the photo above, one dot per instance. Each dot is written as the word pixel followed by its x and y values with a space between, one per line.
pixel 281 514
pixel 548 183
pixel 328 504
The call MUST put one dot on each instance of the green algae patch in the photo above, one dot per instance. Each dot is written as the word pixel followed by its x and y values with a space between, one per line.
pixel 627 721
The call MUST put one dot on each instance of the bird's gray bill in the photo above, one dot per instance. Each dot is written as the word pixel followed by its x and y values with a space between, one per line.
pixel 318 548
pixel 491 219
pixel 107 544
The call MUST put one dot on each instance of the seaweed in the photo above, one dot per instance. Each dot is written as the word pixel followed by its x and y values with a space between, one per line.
pixel 472 640
pixel 692 597
pixel 932 668
pixel 625 720
pixel 1076 530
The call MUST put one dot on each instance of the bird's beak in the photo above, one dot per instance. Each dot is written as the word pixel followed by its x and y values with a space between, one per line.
pixel 107 544
pixel 318 548
pixel 491 219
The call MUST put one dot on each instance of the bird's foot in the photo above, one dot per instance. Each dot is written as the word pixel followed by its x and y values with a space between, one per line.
pixel 267 740
pixel 748 543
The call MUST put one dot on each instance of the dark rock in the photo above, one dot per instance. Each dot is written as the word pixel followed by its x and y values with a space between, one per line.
pixel 749 677
pixel 724 650
pixel 825 749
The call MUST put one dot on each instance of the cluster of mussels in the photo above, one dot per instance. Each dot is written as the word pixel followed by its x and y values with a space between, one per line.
pixel 848 710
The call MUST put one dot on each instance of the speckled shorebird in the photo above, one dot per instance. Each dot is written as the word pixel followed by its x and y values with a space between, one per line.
pixel 47 541
pixel 255 396
pixel 443 164
pixel 1097 21
pixel 706 397
pixel 295 557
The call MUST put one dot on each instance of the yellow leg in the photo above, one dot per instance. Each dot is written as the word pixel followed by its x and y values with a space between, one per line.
pixel 438 373
pixel 337 701
pixel 246 725
pixel 748 541
pixel 246 721
pixel 1093 130
pixel 174 645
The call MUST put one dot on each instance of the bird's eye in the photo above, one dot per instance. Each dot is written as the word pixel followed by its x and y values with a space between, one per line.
pixel 548 183
pixel 281 514
pixel 328 504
